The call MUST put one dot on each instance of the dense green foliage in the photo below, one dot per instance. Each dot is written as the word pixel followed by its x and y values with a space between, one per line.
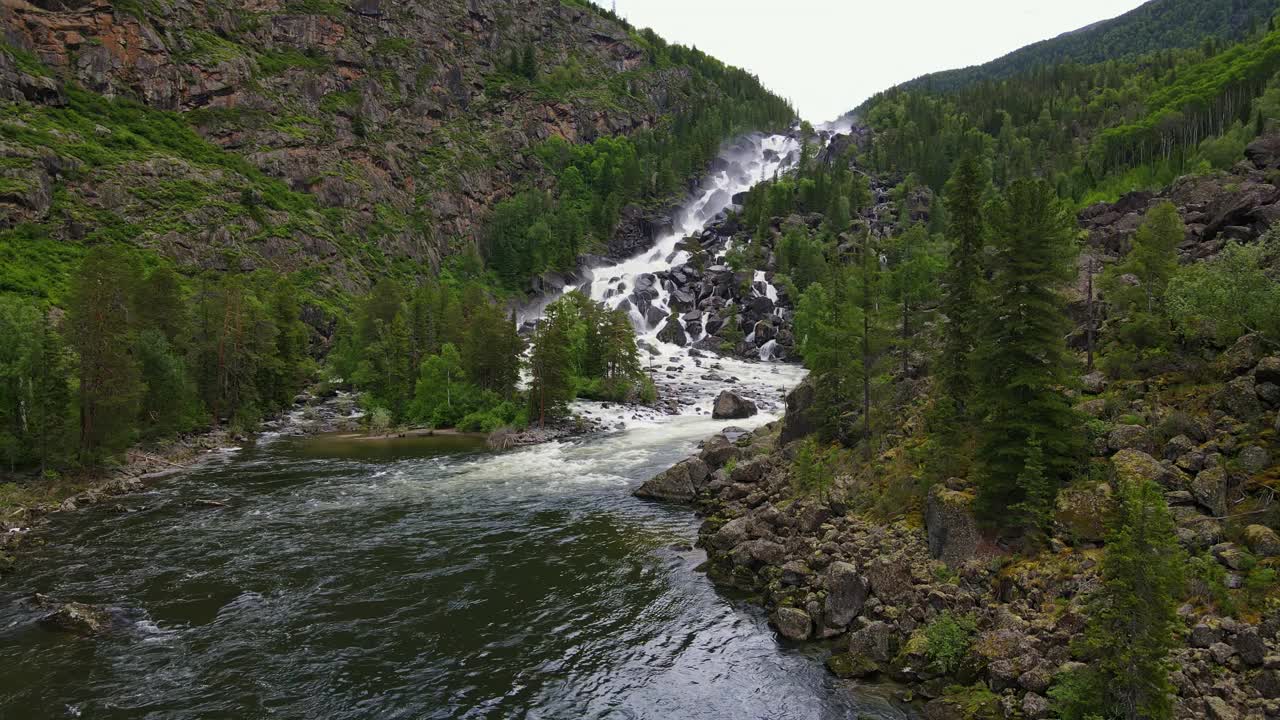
pixel 1029 442
pixel 1133 621
pixel 582 349
pixel 1158 25
pixel 444 354
pixel 1093 130
pixel 538 230
pixel 1139 333
pixel 142 356
pixel 1229 296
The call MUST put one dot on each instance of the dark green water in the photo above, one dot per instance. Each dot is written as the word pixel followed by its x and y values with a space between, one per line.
pixel 394 581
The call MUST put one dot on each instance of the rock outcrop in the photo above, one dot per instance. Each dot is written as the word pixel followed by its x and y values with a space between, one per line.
pixel 732 406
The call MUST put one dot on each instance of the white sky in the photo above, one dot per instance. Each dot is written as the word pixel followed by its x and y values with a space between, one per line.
pixel 827 56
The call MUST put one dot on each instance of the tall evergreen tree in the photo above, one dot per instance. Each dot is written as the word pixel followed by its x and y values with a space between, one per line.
pixel 1133 620
pixel 1025 366
pixel 962 286
pixel 551 382
pixel 49 405
pixel 100 327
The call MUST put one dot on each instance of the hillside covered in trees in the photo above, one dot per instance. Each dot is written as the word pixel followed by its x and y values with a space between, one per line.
pixel 1156 25
pixel 202 206
pixel 1094 131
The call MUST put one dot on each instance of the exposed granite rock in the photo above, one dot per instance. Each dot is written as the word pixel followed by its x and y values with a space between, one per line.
pixel 680 483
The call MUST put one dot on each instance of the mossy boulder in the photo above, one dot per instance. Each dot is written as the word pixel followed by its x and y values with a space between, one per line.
pixel 965 703
pixel 847 665
pixel 1082 511
pixel 1262 541
pixel 78 618
pixel 953 531
pixel 793 623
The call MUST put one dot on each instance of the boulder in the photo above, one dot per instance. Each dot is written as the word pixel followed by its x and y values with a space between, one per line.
pixel 1262 541
pixel 1127 437
pixel 1082 509
pixel 1093 383
pixel 845 665
pixel 793 623
pixel 1268 370
pixel 1134 465
pixel 1250 646
pixel 730 534
pixel 732 406
pixel 1177 447
pixel 1204 636
pixel 77 618
pixel 758 553
pixel 1035 707
pixel 750 471
pixel 846 594
pixel 1253 459
pixel 1219 709
pixel 877 642
pixel 718 451
pixel 680 483
pixel 953 532
pixel 889 577
pixel 1247 352
pixel 1229 555
pixel 1210 490
pixel 798 421
pixel 1239 399
pixel 673 333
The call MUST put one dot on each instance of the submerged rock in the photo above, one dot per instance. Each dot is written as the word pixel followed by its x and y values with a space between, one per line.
pixel 77 618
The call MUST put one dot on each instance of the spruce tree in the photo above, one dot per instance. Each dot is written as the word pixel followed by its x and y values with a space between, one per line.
pixel 1025 366
pixel 1133 621
pixel 551 382
pixel 962 286
pixel 49 411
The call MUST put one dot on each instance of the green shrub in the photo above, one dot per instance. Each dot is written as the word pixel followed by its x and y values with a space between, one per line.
pixel 949 637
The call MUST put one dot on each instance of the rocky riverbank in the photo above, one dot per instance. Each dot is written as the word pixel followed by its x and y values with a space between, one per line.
pixel 974 628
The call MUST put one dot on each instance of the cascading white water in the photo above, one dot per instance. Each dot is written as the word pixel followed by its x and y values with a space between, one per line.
pixel 634 284
pixel 739 167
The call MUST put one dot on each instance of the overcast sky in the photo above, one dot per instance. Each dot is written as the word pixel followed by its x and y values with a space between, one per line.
pixel 827 56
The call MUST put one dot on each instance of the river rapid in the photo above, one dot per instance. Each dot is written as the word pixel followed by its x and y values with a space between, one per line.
pixel 426 578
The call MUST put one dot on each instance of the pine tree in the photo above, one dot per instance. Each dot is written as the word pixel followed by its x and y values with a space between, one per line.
pixel 100 327
pixel 48 416
pixel 491 350
pixel 1025 366
pixel 529 63
pixel 1133 621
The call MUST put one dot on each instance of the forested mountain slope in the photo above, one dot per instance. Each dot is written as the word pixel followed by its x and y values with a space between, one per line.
pixel 1094 130
pixel 346 141
pixel 1157 25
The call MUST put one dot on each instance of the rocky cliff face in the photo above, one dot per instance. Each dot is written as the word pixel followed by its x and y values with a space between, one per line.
pixel 1218 208
pixel 391 128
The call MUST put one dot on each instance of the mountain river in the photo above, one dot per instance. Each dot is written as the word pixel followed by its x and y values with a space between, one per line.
pixel 427 578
